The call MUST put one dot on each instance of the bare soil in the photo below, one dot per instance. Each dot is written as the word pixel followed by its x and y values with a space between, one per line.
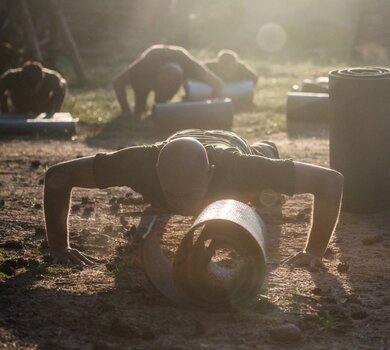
pixel 113 305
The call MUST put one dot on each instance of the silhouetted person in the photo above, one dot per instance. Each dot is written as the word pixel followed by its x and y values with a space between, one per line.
pixel 161 69
pixel 230 68
pixel 32 89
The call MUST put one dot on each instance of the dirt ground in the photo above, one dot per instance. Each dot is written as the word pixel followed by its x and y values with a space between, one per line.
pixel 113 305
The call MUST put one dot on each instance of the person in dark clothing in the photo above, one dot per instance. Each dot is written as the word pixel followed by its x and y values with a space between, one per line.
pixel 161 69
pixel 32 89
pixel 230 68
pixel 185 173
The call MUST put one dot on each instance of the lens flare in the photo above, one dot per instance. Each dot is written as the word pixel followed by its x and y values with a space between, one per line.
pixel 271 37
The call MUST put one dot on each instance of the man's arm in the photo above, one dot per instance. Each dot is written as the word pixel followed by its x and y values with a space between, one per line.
pixel 204 74
pixel 214 81
pixel 327 186
pixel 248 72
pixel 119 85
pixel 59 181
pixel 126 78
pixel 59 91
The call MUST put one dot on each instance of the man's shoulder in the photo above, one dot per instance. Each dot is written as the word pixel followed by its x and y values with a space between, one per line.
pixel 245 66
pixel 142 150
pixel 11 74
pixel 166 50
pixel 52 75
pixel 211 63
pixel 222 157
pixel 139 159
pixel 153 57
pixel 142 156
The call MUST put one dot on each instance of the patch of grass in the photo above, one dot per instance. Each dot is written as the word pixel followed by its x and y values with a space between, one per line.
pixel 93 106
pixel 3 277
pixel 20 271
pixel 58 270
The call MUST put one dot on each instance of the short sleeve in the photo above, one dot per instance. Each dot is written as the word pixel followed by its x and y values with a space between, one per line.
pixel 257 173
pixel 133 167
pixel 55 81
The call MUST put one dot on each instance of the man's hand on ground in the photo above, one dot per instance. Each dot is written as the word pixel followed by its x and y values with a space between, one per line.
pixel 70 256
pixel 304 259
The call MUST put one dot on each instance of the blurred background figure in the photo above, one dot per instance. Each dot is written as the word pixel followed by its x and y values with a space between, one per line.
pixel 32 89
pixel 161 69
pixel 230 68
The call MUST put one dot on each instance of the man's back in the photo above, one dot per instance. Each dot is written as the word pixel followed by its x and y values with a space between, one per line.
pixel 240 169
pixel 144 71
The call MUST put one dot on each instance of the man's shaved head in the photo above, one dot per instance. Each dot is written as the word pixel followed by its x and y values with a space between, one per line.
pixel 227 60
pixel 32 74
pixel 184 173
pixel 169 79
pixel 227 56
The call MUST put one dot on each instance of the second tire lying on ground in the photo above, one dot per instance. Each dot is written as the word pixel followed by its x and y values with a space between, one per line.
pixel 360 136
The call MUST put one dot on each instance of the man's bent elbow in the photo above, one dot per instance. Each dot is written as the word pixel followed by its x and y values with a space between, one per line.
pixel 331 185
pixel 56 178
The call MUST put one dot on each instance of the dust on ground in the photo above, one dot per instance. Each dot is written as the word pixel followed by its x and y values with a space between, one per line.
pixel 113 306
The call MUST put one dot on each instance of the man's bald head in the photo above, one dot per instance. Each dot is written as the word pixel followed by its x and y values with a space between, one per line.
pixel 181 160
pixel 227 59
pixel 32 74
pixel 184 173
pixel 169 79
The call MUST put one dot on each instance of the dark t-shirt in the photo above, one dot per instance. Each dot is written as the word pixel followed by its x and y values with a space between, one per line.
pixel 240 169
pixel 240 72
pixel 23 100
pixel 142 73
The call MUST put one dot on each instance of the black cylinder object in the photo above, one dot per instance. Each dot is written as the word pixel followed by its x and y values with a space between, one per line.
pixel 210 114
pixel 237 91
pixel 307 107
pixel 359 112
pixel 42 124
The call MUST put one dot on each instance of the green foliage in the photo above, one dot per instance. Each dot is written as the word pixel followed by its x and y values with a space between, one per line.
pixel 58 270
pixel 94 106
pixel 3 277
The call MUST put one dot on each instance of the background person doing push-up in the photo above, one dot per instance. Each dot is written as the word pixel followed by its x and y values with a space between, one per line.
pixel 32 89
pixel 161 69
